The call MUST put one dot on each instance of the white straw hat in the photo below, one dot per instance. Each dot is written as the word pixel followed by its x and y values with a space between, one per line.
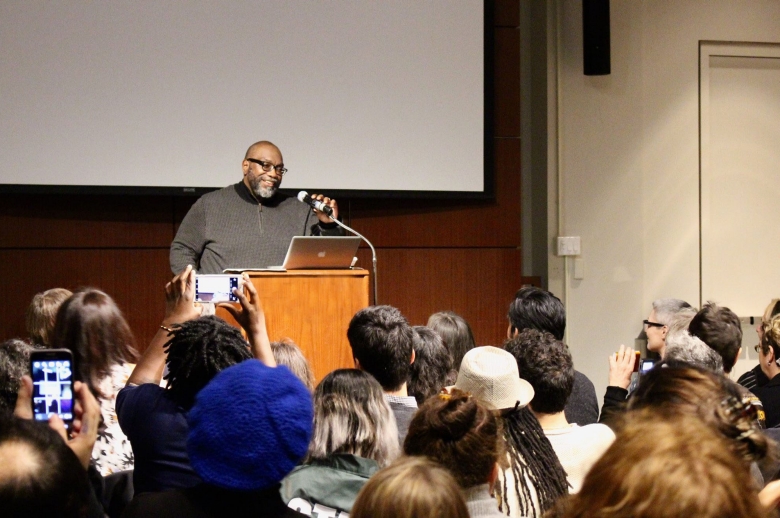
pixel 490 375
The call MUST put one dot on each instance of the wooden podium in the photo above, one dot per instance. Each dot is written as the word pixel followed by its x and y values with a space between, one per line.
pixel 313 308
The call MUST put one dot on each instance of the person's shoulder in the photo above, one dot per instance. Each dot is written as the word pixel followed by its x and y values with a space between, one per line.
pixel 598 430
pixel 583 381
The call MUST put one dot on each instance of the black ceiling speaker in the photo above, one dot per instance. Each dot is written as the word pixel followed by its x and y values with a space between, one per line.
pixel 595 37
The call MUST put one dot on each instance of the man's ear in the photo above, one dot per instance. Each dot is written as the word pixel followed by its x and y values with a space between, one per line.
pixel 245 166
pixel 739 353
pixel 357 363
pixel 413 356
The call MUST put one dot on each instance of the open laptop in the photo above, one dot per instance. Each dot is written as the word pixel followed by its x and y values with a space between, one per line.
pixel 320 253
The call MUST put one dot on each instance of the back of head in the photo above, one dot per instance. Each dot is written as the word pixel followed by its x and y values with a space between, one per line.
pixel 39 474
pixel 249 427
pixel 771 338
pixel 42 312
pixel 412 487
pixel 455 332
pixel 381 341
pixel 459 433
pixel 14 363
pixel 546 364
pixel 287 353
pixel 352 416
pixel 684 390
pixel 718 327
pixel 666 309
pixel 197 351
pixel 682 347
pixel 679 322
pixel 535 308
pixel 432 365
pixel 93 328
pixel 684 470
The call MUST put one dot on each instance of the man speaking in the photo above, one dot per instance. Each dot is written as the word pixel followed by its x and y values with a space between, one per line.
pixel 249 224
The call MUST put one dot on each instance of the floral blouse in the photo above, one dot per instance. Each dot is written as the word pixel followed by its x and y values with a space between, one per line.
pixel 112 452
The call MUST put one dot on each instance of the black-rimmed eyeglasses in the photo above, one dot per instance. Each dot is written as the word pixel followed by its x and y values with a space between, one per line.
pixel 650 323
pixel 267 166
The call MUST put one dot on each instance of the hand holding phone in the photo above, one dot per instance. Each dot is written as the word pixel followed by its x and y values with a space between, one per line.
pixel 52 373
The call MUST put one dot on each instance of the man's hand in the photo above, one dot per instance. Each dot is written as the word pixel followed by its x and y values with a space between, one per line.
pixel 621 367
pixel 23 409
pixel 252 318
pixel 324 218
pixel 180 303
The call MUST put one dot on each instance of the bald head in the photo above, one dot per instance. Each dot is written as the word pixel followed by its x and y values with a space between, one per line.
pixel 255 148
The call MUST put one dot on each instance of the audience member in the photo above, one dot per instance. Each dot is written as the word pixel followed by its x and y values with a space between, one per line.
pixel 667 318
pixel 769 356
pixel 657 325
pixel 42 471
pixel 41 314
pixel 247 429
pixel 412 487
pixel 686 470
pixel 755 377
pixel 14 363
pixel 682 347
pixel 287 353
pixel 354 436
pixel 92 327
pixel 547 365
pixel 455 332
pixel 194 350
pixel 535 477
pixel 535 308
pixel 432 368
pixel 679 390
pixel 721 330
pixel 382 345
pixel 463 435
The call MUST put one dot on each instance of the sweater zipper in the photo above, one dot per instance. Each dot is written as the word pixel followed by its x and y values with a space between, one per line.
pixel 260 216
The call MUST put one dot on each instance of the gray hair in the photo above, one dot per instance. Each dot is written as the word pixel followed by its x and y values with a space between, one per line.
pixel 684 347
pixel 678 322
pixel 352 416
pixel 665 309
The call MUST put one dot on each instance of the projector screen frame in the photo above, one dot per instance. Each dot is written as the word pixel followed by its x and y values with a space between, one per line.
pixel 488 171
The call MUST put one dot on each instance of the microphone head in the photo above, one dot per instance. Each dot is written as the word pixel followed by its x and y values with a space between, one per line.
pixel 302 196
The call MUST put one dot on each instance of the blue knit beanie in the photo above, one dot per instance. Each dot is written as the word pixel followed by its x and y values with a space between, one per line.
pixel 249 427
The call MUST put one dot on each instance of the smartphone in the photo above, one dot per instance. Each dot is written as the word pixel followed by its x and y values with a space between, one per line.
pixel 217 288
pixel 52 375
pixel 647 364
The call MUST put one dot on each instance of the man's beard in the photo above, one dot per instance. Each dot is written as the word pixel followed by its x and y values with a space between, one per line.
pixel 263 192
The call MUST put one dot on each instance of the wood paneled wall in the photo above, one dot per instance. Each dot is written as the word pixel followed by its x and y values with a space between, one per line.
pixel 432 255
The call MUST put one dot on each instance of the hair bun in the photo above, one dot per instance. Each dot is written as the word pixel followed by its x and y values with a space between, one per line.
pixel 456 417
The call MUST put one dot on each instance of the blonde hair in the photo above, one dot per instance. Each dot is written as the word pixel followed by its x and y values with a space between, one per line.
pixel 410 488
pixel 772 336
pixel 352 416
pixel 287 353
pixel 660 467
pixel 42 312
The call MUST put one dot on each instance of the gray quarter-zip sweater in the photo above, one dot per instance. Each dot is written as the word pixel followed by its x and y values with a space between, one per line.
pixel 228 228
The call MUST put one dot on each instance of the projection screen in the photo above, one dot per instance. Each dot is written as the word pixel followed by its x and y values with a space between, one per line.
pixel 375 97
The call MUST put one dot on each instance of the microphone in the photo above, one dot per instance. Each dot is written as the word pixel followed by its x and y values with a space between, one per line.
pixel 317 204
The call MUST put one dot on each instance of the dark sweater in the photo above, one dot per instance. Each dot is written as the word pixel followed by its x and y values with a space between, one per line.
pixel 582 407
pixel 228 228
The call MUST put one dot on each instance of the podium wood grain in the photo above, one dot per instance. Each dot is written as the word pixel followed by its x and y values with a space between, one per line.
pixel 313 308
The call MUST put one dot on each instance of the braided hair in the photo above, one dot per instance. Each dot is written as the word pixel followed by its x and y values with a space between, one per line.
pixel 534 464
pixel 197 351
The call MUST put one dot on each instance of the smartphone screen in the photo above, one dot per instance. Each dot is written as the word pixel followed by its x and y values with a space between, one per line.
pixel 216 288
pixel 52 375
pixel 647 365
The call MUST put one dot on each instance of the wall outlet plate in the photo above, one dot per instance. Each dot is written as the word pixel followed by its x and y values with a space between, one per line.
pixel 568 245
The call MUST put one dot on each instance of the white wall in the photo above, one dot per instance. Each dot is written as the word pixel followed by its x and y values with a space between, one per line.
pixel 628 155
